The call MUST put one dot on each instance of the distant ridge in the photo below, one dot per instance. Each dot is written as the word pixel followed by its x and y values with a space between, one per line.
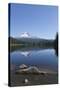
pixel 32 42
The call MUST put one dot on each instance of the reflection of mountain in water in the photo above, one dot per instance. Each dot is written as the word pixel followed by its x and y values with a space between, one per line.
pixel 25 53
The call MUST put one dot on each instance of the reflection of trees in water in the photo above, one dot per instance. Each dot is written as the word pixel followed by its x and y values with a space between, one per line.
pixel 56 52
pixel 28 50
pixel 56 44
pixel 24 49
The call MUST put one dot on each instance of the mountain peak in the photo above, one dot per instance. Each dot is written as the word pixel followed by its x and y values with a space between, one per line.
pixel 25 34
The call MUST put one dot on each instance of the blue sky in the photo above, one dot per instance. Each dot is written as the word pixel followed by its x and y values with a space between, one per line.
pixel 38 20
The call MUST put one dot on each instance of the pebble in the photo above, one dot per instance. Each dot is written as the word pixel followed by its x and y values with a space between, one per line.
pixel 26 80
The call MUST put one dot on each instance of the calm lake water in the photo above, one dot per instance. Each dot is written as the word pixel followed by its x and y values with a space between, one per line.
pixel 43 58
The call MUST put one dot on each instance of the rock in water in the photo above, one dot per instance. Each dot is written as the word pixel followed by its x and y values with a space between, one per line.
pixel 22 66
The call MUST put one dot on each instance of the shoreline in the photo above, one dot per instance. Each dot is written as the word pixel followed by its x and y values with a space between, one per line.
pixel 33 79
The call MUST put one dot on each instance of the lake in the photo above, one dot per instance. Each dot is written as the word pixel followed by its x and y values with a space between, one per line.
pixel 45 59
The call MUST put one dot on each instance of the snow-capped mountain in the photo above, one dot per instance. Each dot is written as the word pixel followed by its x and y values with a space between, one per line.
pixel 25 35
pixel 27 40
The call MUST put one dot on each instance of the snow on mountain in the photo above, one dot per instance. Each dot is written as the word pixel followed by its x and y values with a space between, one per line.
pixel 25 35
